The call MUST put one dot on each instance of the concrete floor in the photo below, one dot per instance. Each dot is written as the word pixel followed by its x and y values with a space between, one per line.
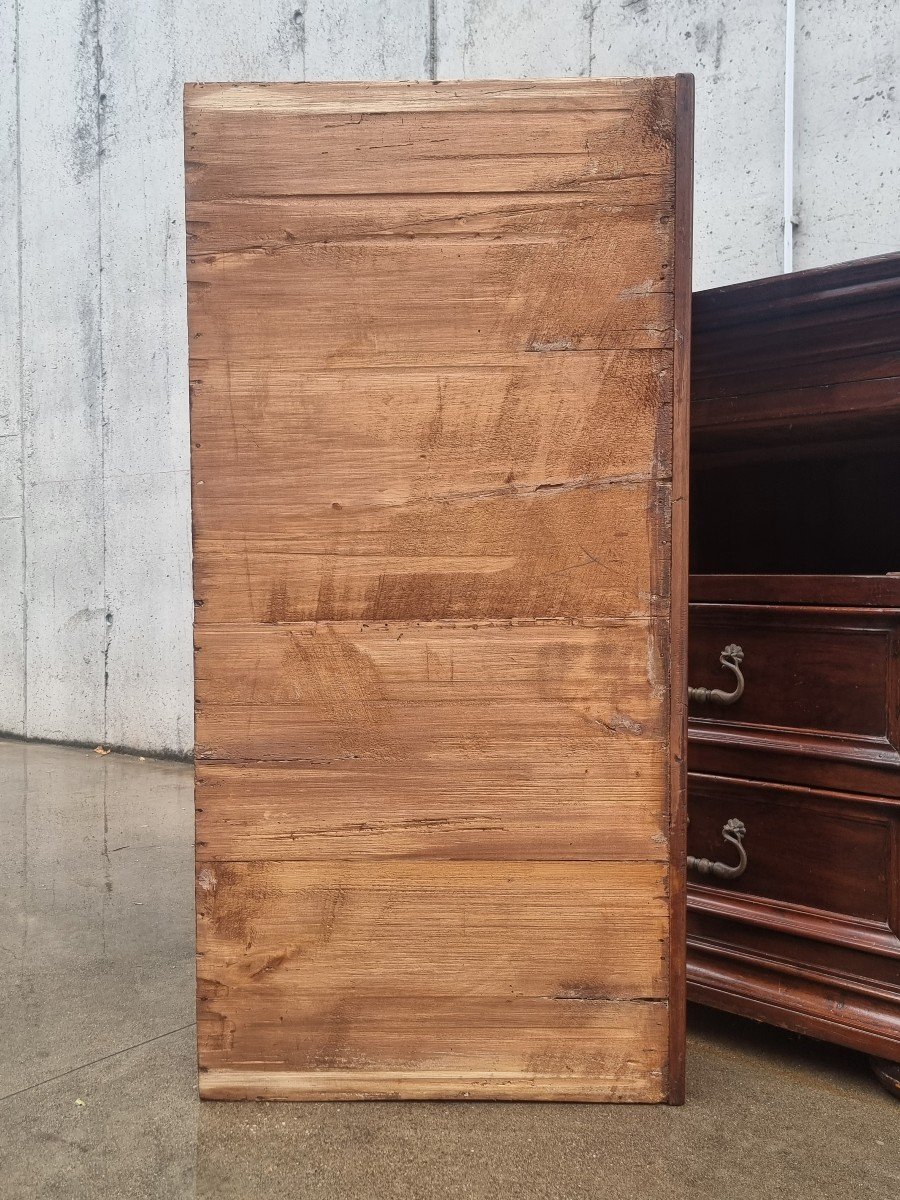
pixel 97 1093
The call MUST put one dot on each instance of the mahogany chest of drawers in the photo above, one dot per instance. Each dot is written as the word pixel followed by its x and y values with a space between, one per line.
pixel 794 731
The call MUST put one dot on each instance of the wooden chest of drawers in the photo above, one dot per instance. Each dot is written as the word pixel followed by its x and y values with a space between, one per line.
pixel 806 760
pixel 794 763
pixel 440 567
pixel 822 709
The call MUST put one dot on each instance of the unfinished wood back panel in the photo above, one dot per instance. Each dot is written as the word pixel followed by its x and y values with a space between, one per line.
pixel 436 338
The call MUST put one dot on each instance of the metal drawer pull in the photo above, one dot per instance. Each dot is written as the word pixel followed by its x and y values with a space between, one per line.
pixel 730 658
pixel 733 831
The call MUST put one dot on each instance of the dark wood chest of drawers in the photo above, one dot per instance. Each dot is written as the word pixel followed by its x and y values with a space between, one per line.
pixel 796 538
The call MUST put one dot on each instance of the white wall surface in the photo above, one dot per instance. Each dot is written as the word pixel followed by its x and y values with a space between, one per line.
pixel 95 590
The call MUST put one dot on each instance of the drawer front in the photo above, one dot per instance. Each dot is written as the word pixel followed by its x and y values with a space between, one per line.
pixel 820 864
pixel 819 683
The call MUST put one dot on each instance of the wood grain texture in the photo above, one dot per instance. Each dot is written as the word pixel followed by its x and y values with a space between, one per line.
pixel 433 353
pixel 344 809
pixel 564 550
pixel 541 418
pixel 504 291
pixel 809 356
pixel 352 966
pixel 405 739
pixel 508 136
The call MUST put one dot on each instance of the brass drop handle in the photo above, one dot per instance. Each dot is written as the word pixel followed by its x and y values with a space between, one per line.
pixel 733 831
pixel 731 659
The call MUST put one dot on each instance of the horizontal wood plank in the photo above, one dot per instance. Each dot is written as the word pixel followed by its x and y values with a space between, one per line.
pixel 314 932
pixel 464 143
pixel 506 811
pixel 627 1078
pixel 218 228
pixel 438 733
pixel 410 97
pixel 334 668
pixel 557 1047
pixel 543 552
pixel 364 966
pixel 347 703
pixel 370 304
pixel 279 430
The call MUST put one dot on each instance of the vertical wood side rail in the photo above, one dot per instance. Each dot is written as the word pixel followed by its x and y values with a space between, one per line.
pixel 684 192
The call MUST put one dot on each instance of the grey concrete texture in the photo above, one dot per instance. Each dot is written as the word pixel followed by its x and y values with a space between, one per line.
pixel 97 1081
pixel 94 499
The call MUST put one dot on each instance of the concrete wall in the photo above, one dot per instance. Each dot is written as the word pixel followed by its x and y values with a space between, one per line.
pixel 94 516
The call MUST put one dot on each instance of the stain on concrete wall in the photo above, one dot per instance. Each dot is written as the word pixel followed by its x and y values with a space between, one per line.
pixel 95 637
pixel 736 53
pixel 847 155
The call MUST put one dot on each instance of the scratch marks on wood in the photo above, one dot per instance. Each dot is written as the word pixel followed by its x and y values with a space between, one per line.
pixel 206 879
pixel 332 672
pixel 551 347
pixel 588 559
pixel 549 487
